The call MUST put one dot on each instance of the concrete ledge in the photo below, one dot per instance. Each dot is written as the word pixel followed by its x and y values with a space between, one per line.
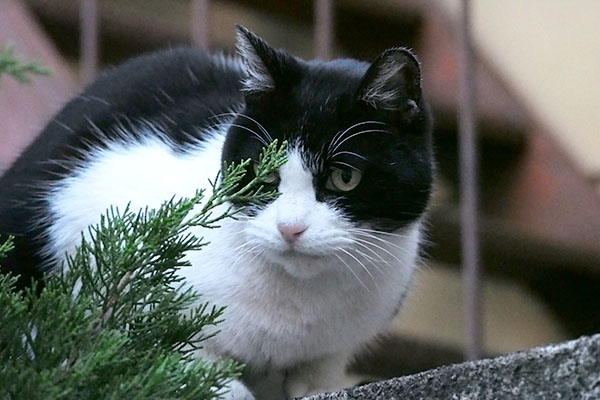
pixel 569 370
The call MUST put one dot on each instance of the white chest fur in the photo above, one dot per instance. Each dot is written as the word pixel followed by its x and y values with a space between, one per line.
pixel 273 318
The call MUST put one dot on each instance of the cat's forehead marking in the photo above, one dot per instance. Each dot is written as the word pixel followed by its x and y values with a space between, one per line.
pixel 295 175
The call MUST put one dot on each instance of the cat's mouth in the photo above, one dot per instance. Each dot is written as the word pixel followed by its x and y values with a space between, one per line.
pixel 296 253
pixel 301 251
pixel 297 263
pixel 292 254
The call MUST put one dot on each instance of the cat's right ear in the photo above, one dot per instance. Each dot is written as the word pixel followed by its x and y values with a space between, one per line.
pixel 259 59
pixel 393 82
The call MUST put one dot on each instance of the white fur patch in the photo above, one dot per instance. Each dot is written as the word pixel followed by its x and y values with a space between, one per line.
pixel 140 174
pixel 326 227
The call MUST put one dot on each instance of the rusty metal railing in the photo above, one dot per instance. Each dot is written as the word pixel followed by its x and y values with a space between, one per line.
pixel 200 23
pixel 88 44
pixel 468 188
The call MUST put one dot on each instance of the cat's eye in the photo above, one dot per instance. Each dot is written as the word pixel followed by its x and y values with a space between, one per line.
pixel 343 180
pixel 271 178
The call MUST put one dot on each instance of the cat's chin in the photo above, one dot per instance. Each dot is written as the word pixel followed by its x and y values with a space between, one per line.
pixel 298 264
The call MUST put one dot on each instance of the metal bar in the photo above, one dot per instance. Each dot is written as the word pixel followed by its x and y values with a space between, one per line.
pixel 199 25
pixel 323 28
pixel 88 43
pixel 468 184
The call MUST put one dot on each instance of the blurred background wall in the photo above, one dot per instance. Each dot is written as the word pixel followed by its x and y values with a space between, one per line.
pixel 538 136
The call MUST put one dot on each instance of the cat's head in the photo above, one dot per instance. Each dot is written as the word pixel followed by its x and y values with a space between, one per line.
pixel 359 144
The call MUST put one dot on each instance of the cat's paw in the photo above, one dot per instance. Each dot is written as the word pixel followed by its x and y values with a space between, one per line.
pixel 236 390
pixel 297 387
pixel 321 376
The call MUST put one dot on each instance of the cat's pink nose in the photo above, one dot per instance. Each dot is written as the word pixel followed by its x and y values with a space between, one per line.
pixel 291 232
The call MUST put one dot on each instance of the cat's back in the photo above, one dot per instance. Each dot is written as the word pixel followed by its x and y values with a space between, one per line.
pixel 172 96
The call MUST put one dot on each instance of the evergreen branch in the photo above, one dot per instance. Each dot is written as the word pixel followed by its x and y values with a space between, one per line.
pixel 270 159
pixel 7 246
pixel 11 65
pixel 118 321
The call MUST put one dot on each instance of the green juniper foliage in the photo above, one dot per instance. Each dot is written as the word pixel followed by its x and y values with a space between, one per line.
pixel 18 69
pixel 117 322
pixel 5 247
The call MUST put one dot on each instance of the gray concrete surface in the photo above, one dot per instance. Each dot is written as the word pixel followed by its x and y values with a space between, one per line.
pixel 569 370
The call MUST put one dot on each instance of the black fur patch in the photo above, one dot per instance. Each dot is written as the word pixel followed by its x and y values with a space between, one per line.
pixel 321 107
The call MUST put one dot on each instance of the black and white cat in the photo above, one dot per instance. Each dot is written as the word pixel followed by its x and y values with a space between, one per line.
pixel 308 278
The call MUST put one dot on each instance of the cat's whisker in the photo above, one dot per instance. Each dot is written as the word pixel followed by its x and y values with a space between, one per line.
pixel 352 272
pixel 382 249
pixel 346 164
pixel 339 135
pixel 337 146
pixel 400 235
pixel 375 234
pixel 240 217
pixel 256 134
pixel 362 266
pixel 238 247
pixel 333 141
pixel 252 249
pixel 238 258
pixel 360 243
pixel 253 132
pixel 387 242
pixel 260 126
pixel 256 255
pixel 241 255
pixel 225 114
pixel 366 256
pixel 247 242
pixel 370 259
pixel 241 246
pixel 246 252
pixel 350 153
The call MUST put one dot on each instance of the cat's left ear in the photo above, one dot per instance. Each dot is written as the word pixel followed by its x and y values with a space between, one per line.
pixel 260 60
pixel 393 81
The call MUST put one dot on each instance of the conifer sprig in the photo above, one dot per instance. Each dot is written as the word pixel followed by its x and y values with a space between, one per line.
pixel 22 71
pixel 270 159
pixel 6 246
pixel 118 322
